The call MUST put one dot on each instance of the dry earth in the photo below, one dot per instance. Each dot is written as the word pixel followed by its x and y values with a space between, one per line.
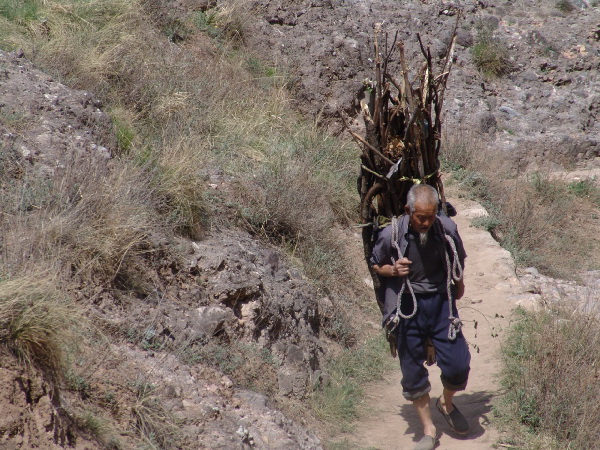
pixel 492 290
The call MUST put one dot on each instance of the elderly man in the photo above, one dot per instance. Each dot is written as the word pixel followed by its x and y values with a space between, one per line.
pixel 420 259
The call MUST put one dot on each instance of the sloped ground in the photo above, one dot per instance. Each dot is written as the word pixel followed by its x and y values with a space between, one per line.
pixel 144 373
pixel 543 109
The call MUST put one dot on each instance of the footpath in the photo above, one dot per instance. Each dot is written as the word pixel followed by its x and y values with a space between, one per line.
pixel 388 421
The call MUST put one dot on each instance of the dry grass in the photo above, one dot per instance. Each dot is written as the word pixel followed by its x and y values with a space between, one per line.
pixel 551 357
pixel 36 322
pixel 85 223
pixel 551 370
pixel 542 220
pixel 183 109
pixel 153 422
pixel 490 55
pixel 180 109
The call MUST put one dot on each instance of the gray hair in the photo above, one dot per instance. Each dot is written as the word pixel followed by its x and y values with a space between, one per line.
pixel 422 193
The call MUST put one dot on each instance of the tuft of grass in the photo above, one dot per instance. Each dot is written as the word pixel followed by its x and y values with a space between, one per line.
pixel 550 367
pixel 153 422
pixel 20 11
pixel 251 366
pixel 178 181
pixel 490 55
pixel 99 427
pixel 36 322
pixel 338 399
pixel 124 130
pixel 565 6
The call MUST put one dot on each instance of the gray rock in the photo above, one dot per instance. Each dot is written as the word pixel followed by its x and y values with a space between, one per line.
pixel 489 22
pixel 295 355
pixel 211 320
pixel 509 111
pixel 529 75
pixel 292 382
pixel 464 38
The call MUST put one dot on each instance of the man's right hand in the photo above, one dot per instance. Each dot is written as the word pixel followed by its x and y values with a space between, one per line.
pixel 402 267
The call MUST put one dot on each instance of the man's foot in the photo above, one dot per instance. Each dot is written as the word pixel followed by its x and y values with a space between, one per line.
pixel 426 443
pixel 455 419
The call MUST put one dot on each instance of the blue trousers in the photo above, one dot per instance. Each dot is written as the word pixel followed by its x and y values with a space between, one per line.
pixel 453 357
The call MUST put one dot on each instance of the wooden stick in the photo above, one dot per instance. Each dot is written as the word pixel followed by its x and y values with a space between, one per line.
pixel 364 142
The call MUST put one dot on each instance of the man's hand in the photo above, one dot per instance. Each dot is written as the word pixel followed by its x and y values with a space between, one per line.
pixel 401 268
pixel 460 289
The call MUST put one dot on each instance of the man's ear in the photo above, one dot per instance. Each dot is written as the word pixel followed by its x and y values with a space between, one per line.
pixel 407 210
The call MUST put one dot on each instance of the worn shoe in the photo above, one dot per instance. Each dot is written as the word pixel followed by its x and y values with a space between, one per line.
pixel 455 419
pixel 426 443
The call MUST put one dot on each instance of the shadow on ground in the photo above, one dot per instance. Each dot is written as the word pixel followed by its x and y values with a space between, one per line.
pixel 475 406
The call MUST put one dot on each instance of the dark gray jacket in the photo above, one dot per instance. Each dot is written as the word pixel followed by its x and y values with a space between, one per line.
pixel 383 252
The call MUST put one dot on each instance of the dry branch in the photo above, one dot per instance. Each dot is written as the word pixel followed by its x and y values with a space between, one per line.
pixel 403 122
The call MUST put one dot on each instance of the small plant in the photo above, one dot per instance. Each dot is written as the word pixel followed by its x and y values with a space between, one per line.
pixel 98 427
pixel 565 6
pixel 584 188
pixel 490 55
pixel 123 130
pixel 207 21
pixel 35 322
pixel 79 384
pixel 176 31
pixel 488 223
pixel 152 421
pixel 20 11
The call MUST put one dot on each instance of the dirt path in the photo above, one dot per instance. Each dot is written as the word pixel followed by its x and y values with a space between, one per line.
pixel 388 421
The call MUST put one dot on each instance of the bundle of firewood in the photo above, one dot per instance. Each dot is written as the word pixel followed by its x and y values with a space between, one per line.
pixel 403 121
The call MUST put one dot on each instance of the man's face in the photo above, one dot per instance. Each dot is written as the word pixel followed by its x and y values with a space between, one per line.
pixel 422 217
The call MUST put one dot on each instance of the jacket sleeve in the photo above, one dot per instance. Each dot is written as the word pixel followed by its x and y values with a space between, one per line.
pixel 382 251
pixel 460 249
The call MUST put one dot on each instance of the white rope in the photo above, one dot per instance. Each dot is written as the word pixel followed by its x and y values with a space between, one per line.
pixel 405 281
pixel 454 272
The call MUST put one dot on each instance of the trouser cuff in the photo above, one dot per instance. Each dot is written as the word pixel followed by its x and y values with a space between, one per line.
pixel 456 383
pixel 413 395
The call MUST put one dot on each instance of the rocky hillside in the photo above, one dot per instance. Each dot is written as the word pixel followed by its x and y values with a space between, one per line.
pixel 541 106
pixel 228 302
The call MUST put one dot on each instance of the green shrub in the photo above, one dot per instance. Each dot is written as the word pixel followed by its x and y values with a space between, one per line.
pixel 565 6
pixel 490 55
pixel 338 399
pixel 154 424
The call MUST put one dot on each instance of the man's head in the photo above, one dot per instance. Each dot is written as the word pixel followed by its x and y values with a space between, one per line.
pixel 422 206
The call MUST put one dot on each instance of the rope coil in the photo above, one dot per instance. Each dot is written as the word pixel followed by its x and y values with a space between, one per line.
pixel 454 272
